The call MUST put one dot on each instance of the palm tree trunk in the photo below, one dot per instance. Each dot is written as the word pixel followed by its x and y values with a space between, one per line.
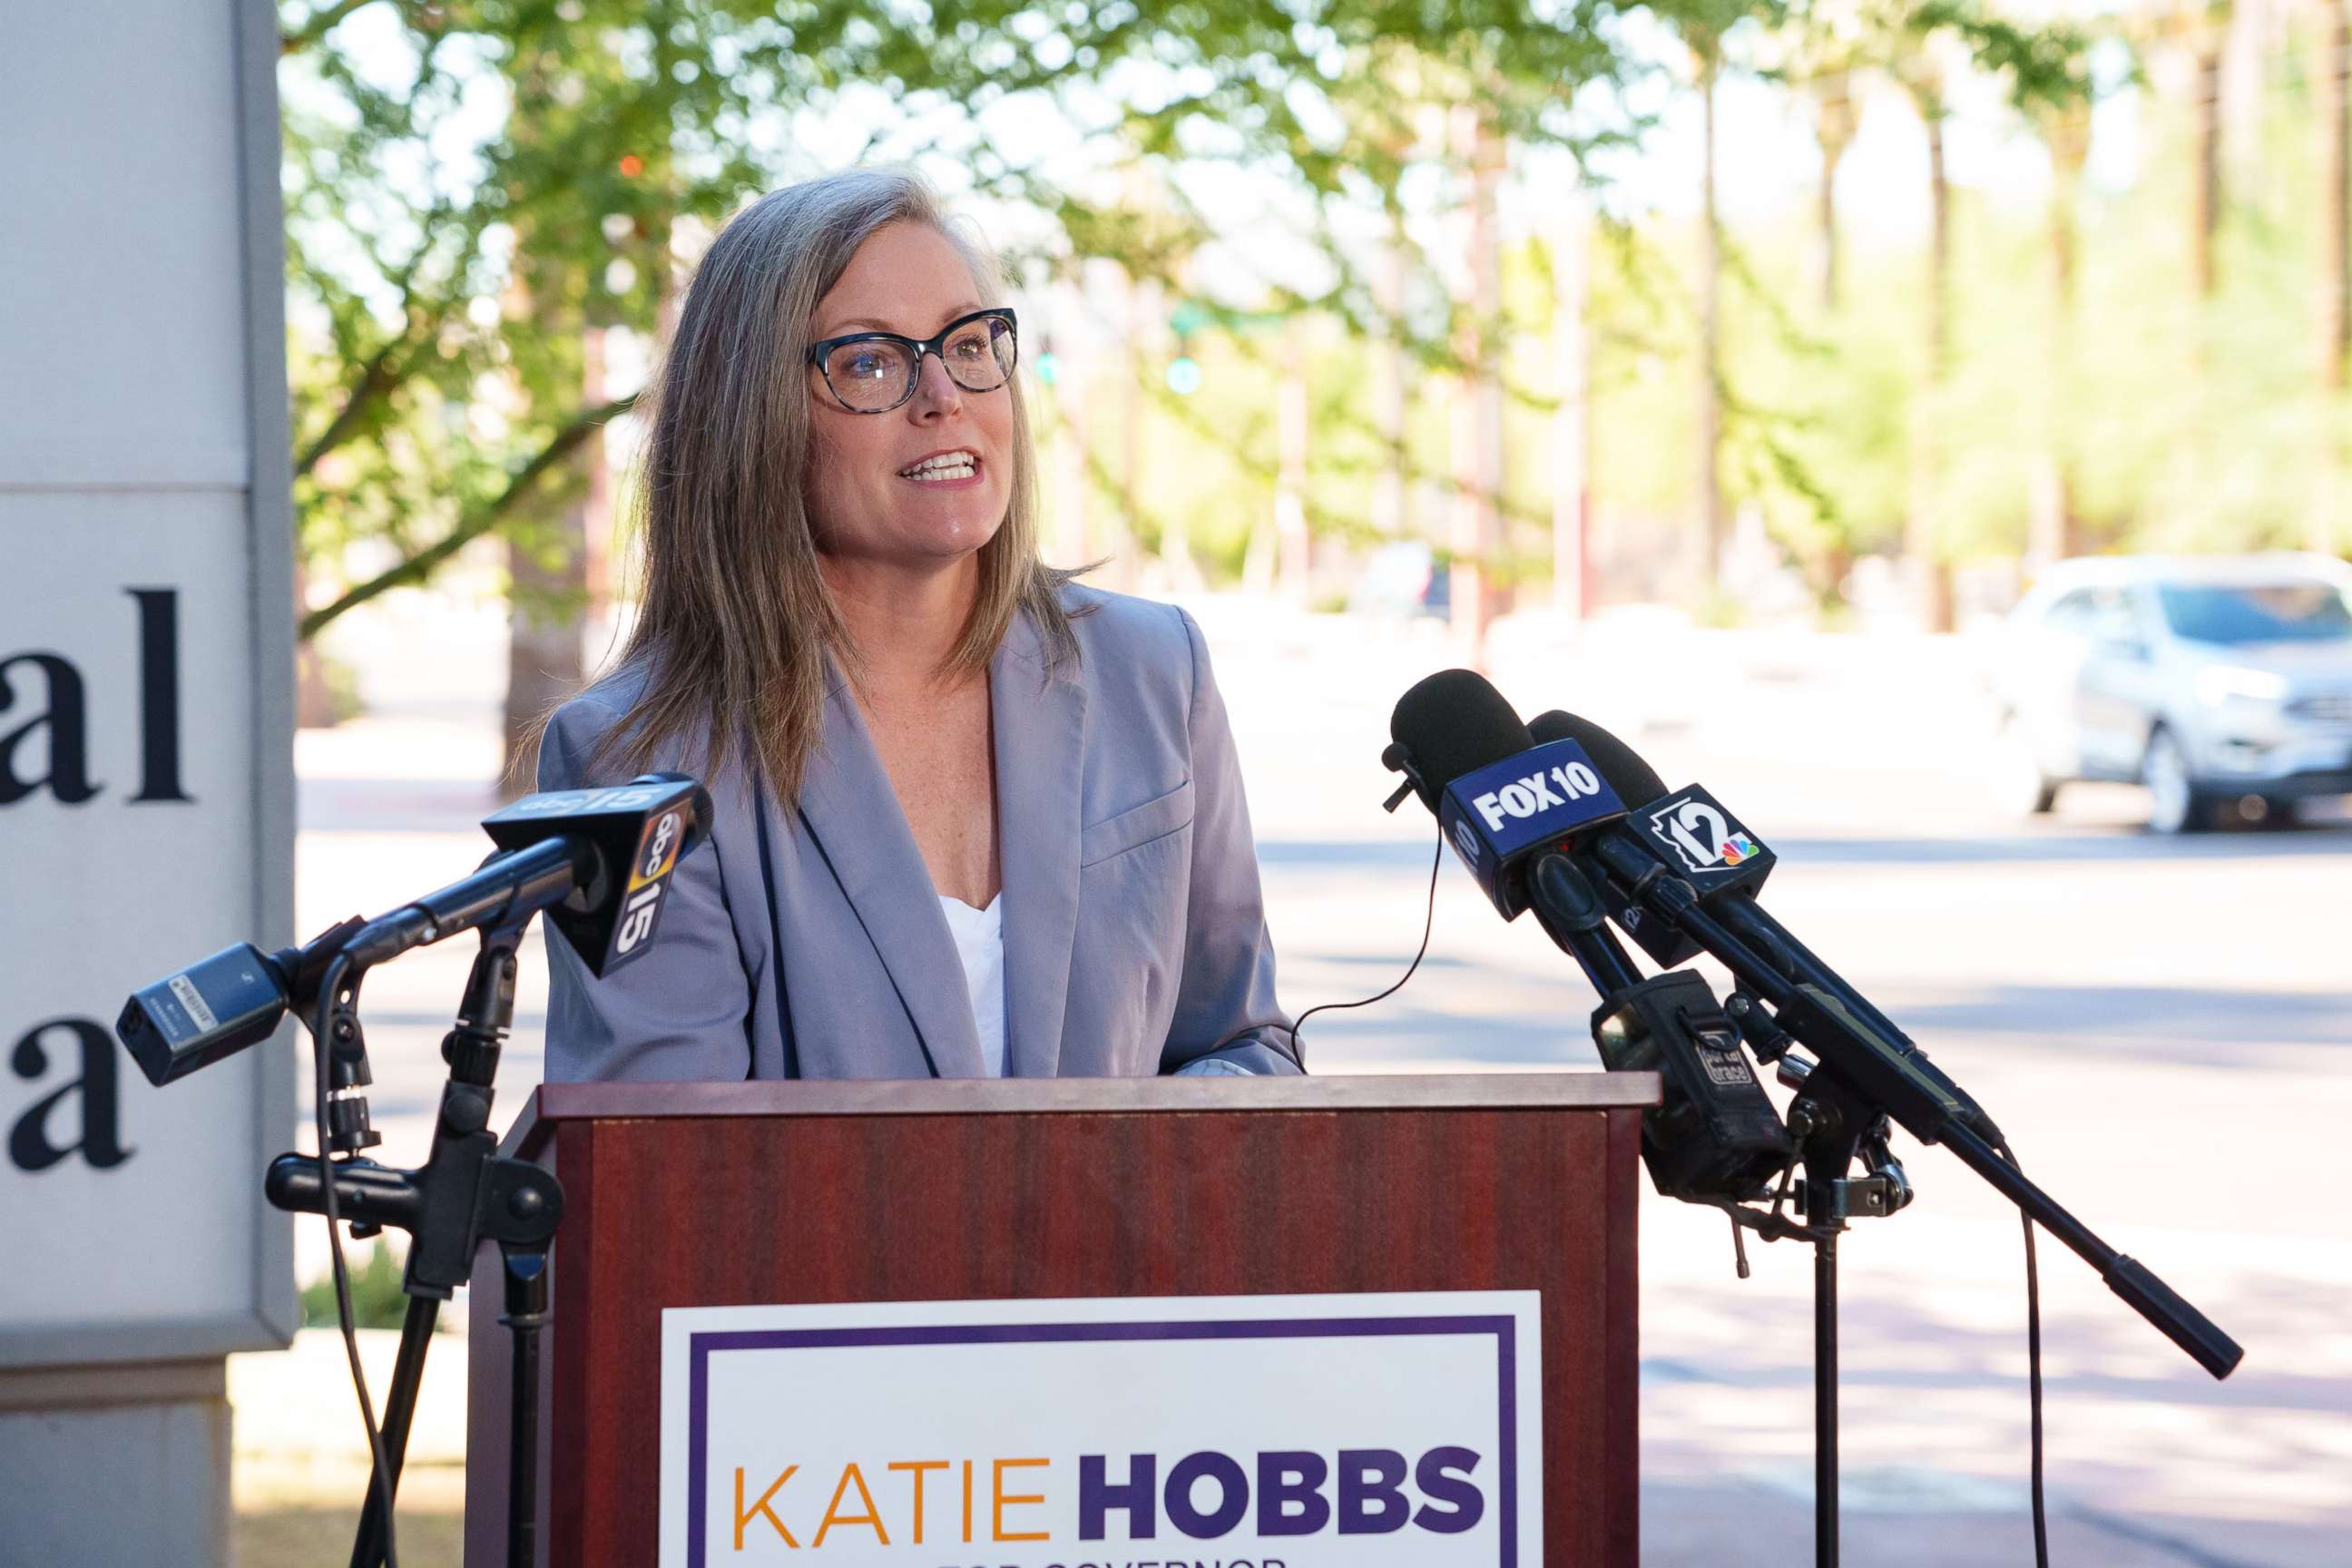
pixel 314 703
pixel 2335 121
pixel 1121 542
pixel 1391 496
pixel 1572 420
pixel 2210 39
pixel 1478 533
pixel 2335 207
pixel 1834 125
pixel 1294 542
pixel 1710 325
pixel 547 558
pixel 1922 542
pixel 549 593
pixel 2056 529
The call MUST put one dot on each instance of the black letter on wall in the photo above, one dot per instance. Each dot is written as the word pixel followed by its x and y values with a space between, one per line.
pixel 30 1147
pixel 67 720
pixel 159 694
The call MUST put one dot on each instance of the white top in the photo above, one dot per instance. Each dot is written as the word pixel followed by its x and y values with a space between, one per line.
pixel 979 943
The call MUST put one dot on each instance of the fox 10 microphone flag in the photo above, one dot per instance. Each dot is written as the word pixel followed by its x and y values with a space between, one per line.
pixel 1492 815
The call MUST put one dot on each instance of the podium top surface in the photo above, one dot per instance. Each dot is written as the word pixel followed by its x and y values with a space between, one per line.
pixel 555 1103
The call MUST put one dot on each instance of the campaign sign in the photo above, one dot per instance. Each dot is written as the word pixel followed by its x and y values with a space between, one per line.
pixel 1536 796
pixel 1374 1431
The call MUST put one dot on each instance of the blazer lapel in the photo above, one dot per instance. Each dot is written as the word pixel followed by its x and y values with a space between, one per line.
pixel 854 814
pixel 1040 734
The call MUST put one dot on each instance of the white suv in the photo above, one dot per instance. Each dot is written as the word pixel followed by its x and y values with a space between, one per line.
pixel 2208 679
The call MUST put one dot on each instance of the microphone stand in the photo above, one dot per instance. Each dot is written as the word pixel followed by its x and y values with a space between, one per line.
pixel 1844 1101
pixel 463 1195
pixel 1834 1127
pixel 1866 1075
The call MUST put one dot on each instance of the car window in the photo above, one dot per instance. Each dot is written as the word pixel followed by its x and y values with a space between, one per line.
pixel 2112 618
pixel 2072 614
pixel 2290 610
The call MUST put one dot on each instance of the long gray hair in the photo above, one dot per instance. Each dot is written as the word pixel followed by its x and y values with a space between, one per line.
pixel 736 618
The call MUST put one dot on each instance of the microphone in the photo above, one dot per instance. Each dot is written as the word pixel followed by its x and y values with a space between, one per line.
pixel 1706 888
pixel 1501 800
pixel 1638 787
pixel 1686 845
pixel 597 860
pixel 1708 842
pixel 1505 805
pixel 218 1006
pixel 1511 808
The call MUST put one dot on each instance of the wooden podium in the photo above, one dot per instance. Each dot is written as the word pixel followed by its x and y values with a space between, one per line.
pixel 699 1195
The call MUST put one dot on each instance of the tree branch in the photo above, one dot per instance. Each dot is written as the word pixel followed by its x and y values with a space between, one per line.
pixel 474 524
pixel 375 378
pixel 381 372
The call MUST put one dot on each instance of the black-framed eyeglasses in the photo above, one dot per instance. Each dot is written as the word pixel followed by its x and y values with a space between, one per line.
pixel 873 372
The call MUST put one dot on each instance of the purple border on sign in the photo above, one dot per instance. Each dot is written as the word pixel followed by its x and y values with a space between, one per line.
pixel 701 1346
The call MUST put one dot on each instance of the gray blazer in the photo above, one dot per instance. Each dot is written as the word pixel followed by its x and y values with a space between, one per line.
pixel 1135 937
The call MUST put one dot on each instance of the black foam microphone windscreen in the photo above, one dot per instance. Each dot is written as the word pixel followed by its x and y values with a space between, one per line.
pixel 1450 722
pixel 1635 782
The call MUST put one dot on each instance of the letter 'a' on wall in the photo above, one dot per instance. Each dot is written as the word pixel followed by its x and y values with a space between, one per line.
pixel 146 670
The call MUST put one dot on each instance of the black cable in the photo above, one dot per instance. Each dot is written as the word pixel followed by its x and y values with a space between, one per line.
pixel 2033 1373
pixel 1428 924
pixel 321 1035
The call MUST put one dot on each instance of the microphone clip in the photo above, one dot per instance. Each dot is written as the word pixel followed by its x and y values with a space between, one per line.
pixel 1398 760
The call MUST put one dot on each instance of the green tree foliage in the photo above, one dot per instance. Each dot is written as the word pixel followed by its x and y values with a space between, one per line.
pixel 468 182
pixel 463 195
pixel 472 183
pixel 377 1299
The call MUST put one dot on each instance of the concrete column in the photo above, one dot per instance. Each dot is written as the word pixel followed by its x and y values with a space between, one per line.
pixel 115 1466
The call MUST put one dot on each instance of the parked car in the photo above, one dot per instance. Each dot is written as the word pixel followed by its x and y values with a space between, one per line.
pixel 1402 578
pixel 2210 681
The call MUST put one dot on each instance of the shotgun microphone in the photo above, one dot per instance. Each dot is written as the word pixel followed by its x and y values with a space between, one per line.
pixel 1512 808
pixel 1690 840
pixel 1501 800
pixel 1864 1060
pixel 1637 786
pixel 1506 805
pixel 598 861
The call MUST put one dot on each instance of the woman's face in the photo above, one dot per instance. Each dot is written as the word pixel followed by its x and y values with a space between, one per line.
pixel 875 498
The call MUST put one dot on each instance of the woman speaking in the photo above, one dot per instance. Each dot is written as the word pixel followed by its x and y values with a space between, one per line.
pixel 970 817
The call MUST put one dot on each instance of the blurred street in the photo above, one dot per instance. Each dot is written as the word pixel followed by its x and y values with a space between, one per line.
pixel 2164 1028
